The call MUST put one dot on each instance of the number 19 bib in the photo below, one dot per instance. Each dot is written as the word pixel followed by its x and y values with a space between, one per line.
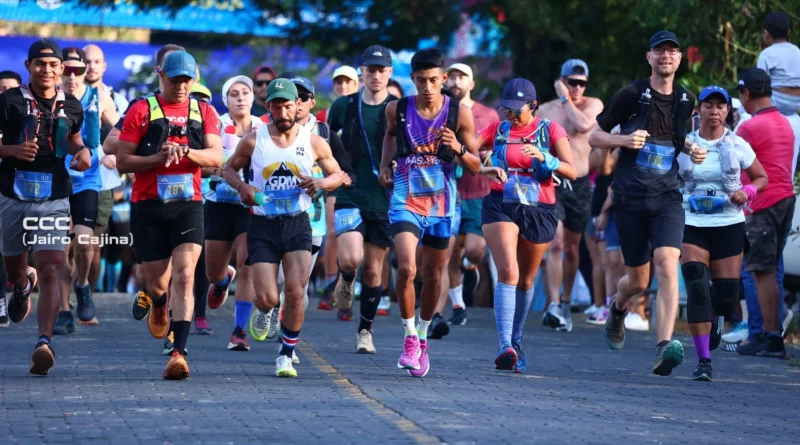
pixel 655 158
pixel 226 194
pixel 175 187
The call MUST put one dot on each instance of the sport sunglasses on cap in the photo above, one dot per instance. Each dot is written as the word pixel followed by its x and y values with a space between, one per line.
pixel 74 70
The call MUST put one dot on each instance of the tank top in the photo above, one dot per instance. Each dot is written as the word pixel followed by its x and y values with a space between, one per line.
pixel 221 191
pixel 88 179
pixel 423 183
pixel 316 212
pixel 276 171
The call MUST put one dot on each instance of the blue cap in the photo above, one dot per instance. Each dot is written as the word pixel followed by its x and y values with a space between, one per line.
pixel 714 89
pixel 180 63
pixel 301 81
pixel 574 67
pixel 664 36
pixel 517 92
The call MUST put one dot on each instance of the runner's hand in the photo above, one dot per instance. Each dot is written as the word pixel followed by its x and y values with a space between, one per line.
pixel 110 162
pixel 698 154
pixel 636 139
pixel 449 139
pixel 738 197
pixel 386 178
pixel 561 89
pixel 248 194
pixel 532 152
pixel 174 154
pixel 25 151
pixel 311 185
pixel 81 161
pixel 496 173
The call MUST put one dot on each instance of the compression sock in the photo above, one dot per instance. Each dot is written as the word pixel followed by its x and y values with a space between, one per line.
pixel 504 308
pixel 242 313
pixel 524 302
pixel 289 341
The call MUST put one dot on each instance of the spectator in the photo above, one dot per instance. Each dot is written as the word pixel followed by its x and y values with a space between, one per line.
pixel 9 79
pixel 262 76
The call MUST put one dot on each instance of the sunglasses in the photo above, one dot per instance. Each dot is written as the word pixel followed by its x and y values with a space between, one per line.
pixel 262 83
pixel 305 97
pixel 510 112
pixel 74 70
pixel 577 83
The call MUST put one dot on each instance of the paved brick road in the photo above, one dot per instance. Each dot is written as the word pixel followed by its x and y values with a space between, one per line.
pixel 107 388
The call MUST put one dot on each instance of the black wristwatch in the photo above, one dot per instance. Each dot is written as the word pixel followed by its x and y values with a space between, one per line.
pixel 463 151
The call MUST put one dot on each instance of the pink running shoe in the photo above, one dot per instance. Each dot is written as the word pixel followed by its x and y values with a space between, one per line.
pixel 424 362
pixel 409 359
pixel 201 326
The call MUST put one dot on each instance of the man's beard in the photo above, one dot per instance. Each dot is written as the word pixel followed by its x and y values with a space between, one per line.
pixel 457 94
pixel 285 125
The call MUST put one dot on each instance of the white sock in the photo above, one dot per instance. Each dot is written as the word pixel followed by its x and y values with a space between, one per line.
pixel 422 329
pixel 409 326
pixel 456 295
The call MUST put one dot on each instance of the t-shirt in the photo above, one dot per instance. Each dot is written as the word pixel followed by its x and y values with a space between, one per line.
pixel 322 115
pixel 366 194
pixel 652 170
pixel 137 121
pixel 782 62
pixel 708 179
pixel 600 193
pixel 515 158
pixel 477 186
pixel 12 110
pixel 772 139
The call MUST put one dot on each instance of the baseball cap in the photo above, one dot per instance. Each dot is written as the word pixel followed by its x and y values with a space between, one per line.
pixel 755 79
pixel 664 36
pixel 39 49
pixel 517 92
pixel 281 88
pixel 229 83
pixel 199 88
pixel 73 53
pixel 463 67
pixel 376 55
pixel 346 71
pixel 712 90
pixel 180 63
pixel 301 81
pixel 574 66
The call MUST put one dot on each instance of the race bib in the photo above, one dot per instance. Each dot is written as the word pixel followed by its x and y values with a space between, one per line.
pixel 281 202
pixel 346 220
pixel 521 190
pixel 706 205
pixel 33 186
pixel 175 187
pixel 227 194
pixel 426 181
pixel 655 158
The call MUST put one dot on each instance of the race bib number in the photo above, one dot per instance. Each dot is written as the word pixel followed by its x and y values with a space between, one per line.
pixel 655 158
pixel 175 187
pixel 706 205
pixel 426 181
pixel 521 190
pixel 281 202
pixel 33 186
pixel 226 194
pixel 346 220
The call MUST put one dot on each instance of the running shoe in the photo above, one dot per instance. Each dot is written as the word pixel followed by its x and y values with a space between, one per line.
pixel 635 322
pixel 201 326
pixel 141 305
pixel 64 323
pixel 506 358
pixel 343 294
pixel 385 306
pixel 716 334
pixel 459 317
pixel 566 314
pixel 553 318
pixel 599 317
pixel 259 325
pixel 19 306
pixel 177 368
pixel 409 359
pixel 522 359
pixel 295 358
pixel 424 361
pixel 364 342
pixel 438 328
pixel 737 334
pixel 668 356
pixel 274 326
pixel 345 314
pixel 43 358
pixel 169 343
pixel 591 310
pixel 4 321
pixel 614 329
pixel 86 309
pixel 217 296
pixel 158 321
pixel 284 368
pixel 764 345
pixel 238 341
pixel 326 300
pixel 702 372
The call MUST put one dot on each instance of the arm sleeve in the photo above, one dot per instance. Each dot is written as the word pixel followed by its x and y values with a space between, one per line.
pixel 619 108
pixel 134 125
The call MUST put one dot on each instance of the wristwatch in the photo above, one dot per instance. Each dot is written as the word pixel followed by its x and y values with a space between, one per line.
pixel 564 99
pixel 463 151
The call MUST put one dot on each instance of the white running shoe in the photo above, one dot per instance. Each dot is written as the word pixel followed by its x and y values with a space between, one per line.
pixel 553 318
pixel 284 368
pixel 566 314
pixel 599 317
pixel 737 334
pixel 635 322
pixel 274 325
pixel 591 310
pixel 364 342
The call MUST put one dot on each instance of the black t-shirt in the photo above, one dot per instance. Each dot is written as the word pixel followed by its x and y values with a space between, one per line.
pixel 644 172
pixel 600 193
pixel 12 110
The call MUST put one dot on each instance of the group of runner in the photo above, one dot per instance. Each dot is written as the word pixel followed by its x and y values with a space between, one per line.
pixel 435 176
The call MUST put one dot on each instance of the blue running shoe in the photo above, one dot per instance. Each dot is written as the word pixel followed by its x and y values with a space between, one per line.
pixel 522 359
pixel 506 358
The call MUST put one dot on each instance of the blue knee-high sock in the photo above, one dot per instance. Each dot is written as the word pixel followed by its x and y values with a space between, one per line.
pixel 242 313
pixel 504 303
pixel 524 301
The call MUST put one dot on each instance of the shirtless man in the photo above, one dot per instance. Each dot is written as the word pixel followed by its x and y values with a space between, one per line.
pixel 576 113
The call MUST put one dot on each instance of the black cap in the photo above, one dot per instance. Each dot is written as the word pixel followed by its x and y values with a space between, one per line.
pixel 39 49
pixel 664 36
pixel 756 81
pixel 376 55
pixel 73 53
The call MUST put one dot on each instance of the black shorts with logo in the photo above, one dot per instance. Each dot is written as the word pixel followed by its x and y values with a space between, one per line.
pixel 225 222
pixel 647 223
pixel 268 239
pixel 83 208
pixel 158 228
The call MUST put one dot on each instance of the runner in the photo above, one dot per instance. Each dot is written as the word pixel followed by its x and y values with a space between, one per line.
pixel 262 76
pixel 363 234
pixel 226 218
pixel 423 135
pixel 8 80
pixel 40 125
pixel 714 236
pixel 653 114
pixel 576 113
pixel 165 141
pixel 98 109
pixel 283 154
pixel 96 67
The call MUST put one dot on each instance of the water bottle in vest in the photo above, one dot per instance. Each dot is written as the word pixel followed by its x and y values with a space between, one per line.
pixel 91 121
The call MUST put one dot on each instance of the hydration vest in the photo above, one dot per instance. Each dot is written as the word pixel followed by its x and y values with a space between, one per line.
pixel 59 131
pixel 540 138
pixel 640 120
pixel 160 129
pixel 403 147
pixel 352 131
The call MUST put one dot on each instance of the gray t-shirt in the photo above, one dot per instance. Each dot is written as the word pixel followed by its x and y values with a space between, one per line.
pixel 782 62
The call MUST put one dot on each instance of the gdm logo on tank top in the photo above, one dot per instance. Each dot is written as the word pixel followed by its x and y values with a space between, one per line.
pixel 281 176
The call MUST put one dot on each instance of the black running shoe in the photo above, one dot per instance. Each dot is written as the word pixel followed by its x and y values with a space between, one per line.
pixel 19 305
pixel 459 317
pixel 438 327
pixel 64 323
pixel 764 345
pixel 703 370
pixel 716 334
pixel 86 310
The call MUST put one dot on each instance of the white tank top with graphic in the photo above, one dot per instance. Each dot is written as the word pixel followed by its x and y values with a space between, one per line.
pixel 222 192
